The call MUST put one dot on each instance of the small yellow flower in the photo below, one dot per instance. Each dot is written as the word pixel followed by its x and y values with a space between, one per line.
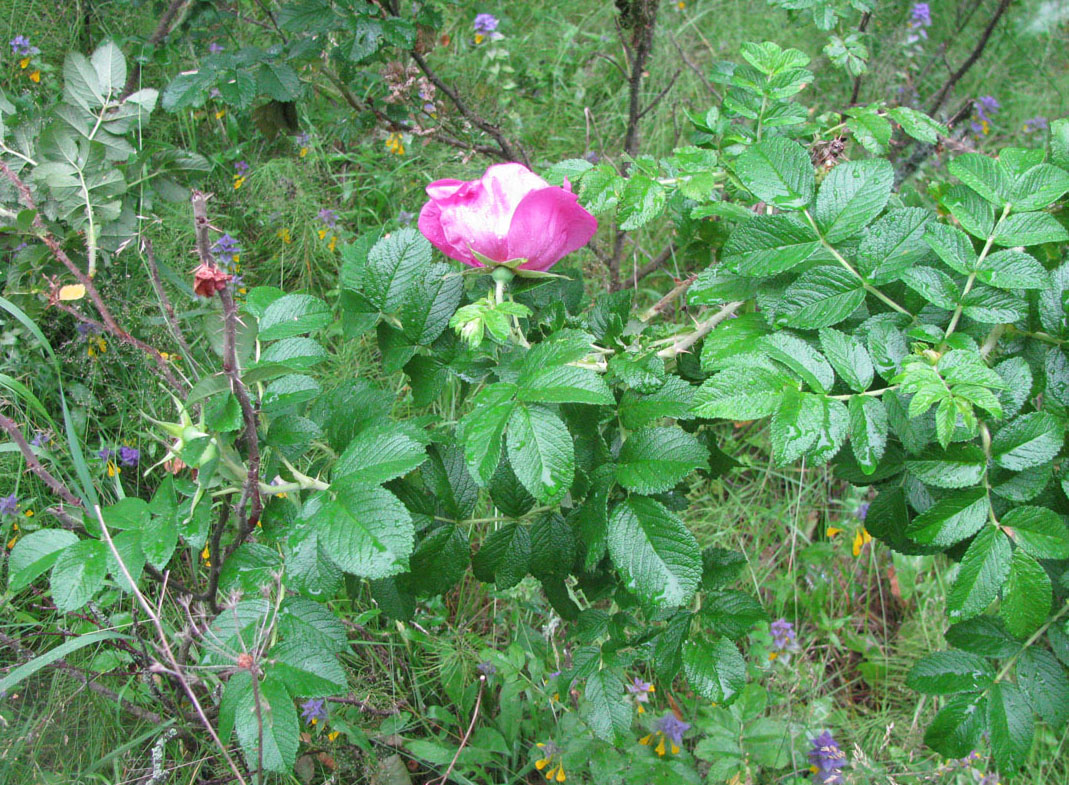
pixel 28 514
pixel 97 346
pixel 322 233
pixel 238 181
pixel 395 143
pixel 314 720
pixel 333 735
pixel 24 63
pixel 681 5
pixel 479 38
pixel 772 655
pixel 986 126
pixel 220 114
pixel 284 235
pixel 236 258
pixel 35 76
pixel 861 539
pixel 332 244
pixel 113 469
pixel 303 153
pixel 832 531
pixel 206 555
pixel 12 541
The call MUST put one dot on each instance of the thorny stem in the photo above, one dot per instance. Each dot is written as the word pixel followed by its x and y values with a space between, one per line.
pixel 35 465
pixel 842 260
pixel 701 330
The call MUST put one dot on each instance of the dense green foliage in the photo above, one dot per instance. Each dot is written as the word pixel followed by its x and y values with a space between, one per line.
pixel 366 446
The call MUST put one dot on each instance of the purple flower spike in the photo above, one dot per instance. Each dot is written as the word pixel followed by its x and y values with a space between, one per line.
pixel 129 456
pixel 329 217
pixel 673 728
pixel 226 246
pixel 485 23
pixel 827 759
pixel 313 709
pixel 9 505
pixel 783 635
pixel 241 168
pixel 105 454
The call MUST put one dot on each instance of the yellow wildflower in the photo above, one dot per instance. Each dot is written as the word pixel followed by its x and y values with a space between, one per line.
pixel 550 764
pixel 479 38
pixel 303 153
pixel 284 235
pixel 97 346
pixel 332 244
pixel 832 531
pixel 220 114
pixel 28 513
pixel 681 5
pixel 322 233
pixel 395 143
pixel 238 181
pixel 333 735
pixel 206 555
pixel 35 76
pixel 861 539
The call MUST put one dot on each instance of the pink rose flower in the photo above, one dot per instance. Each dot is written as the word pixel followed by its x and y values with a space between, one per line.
pixel 510 213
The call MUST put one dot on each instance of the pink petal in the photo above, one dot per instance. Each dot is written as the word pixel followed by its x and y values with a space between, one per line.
pixel 430 226
pixel 548 225
pixel 443 189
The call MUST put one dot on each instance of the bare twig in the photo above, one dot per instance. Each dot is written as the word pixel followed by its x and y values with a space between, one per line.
pixel 653 264
pixel 163 29
pixel 865 17
pixel 511 151
pixel 467 733
pixel 694 67
pixel 87 680
pixel 657 99
pixel 166 646
pixel 645 21
pixel 34 465
pixel 940 97
pixel 661 305
pixel 165 302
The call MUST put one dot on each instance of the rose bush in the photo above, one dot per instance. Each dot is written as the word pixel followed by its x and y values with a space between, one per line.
pixel 509 214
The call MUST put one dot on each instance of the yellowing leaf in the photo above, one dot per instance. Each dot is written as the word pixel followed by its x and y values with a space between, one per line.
pixel 71 292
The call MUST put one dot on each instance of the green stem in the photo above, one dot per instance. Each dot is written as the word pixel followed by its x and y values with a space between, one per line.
pixel 972 276
pixel 842 260
pixel 874 393
pixel 1031 640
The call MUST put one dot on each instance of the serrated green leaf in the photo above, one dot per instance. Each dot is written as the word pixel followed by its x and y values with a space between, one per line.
pixel 949 672
pixel 277 718
pixel 770 244
pixel 894 244
pixel 984 176
pixel 800 357
pixel 380 453
pixel 563 384
pixel 541 452
pixel 851 197
pixel 607 714
pixel 366 530
pixel 956 729
pixel 1030 229
pixel 1009 721
pixel 430 302
pixel 1038 531
pixel 1028 441
pixel 917 124
pixel 741 393
pixel 716 670
pixel 293 314
pixel 78 574
pixel 655 552
pixel 796 425
pixel 654 460
pixel 505 556
pixel 868 431
pixel 1026 597
pixel 820 297
pixel 481 430
pixel 34 554
pixel 643 200
pixel 956 467
pixel 984 568
pixel 1013 269
pixel 394 265
pixel 1039 186
pixel 849 358
pixel 777 171
pixel 1045 686
pixel 951 519
pixel 984 635
pixel 933 285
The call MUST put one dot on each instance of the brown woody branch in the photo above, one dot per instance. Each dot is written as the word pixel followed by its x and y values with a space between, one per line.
pixel 163 29
pixel 940 97
pixel 250 491
pixel 109 323
pixel 165 302
pixel 34 465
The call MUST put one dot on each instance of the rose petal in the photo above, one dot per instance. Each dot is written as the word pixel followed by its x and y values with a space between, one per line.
pixel 430 226
pixel 548 225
